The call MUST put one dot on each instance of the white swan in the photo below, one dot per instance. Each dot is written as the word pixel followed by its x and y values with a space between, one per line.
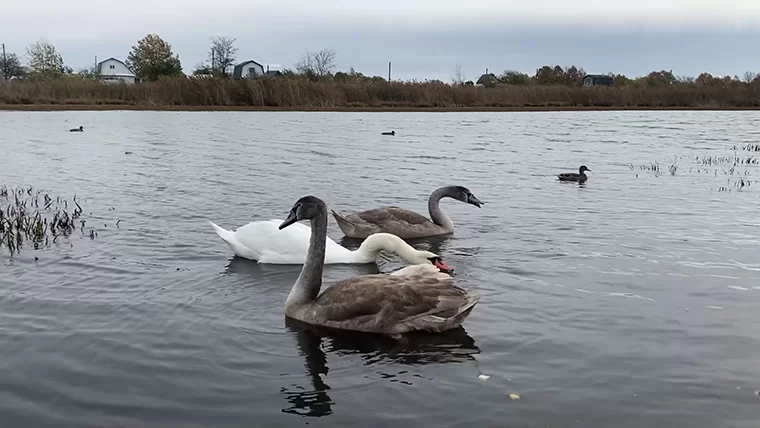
pixel 264 242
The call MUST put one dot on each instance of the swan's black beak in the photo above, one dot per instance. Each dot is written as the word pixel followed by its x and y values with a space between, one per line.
pixel 474 201
pixel 292 218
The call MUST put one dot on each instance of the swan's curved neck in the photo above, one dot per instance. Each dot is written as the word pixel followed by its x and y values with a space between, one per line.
pixel 434 208
pixel 369 249
pixel 306 287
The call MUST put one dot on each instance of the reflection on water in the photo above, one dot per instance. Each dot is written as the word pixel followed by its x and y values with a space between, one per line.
pixel 454 346
pixel 629 300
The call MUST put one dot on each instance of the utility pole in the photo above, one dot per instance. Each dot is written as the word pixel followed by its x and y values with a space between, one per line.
pixel 5 65
pixel 389 71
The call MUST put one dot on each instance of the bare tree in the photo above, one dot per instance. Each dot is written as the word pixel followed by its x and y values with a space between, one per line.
pixel 222 54
pixel 750 76
pixel 458 75
pixel 319 64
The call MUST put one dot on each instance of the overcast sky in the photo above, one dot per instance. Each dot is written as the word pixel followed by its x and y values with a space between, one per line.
pixel 423 38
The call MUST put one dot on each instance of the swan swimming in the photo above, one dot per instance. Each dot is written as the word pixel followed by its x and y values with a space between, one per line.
pixel 264 242
pixel 385 304
pixel 403 222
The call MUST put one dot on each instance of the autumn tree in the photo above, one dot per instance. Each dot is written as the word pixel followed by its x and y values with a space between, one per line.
pixel 91 73
pixel 202 69
pixel 621 80
pixel 222 54
pixel 45 61
pixel 574 75
pixel 660 78
pixel 10 66
pixel 152 58
pixel 514 77
pixel 556 75
pixel 317 64
pixel 548 75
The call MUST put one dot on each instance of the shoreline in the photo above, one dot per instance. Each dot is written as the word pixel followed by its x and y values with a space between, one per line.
pixel 388 109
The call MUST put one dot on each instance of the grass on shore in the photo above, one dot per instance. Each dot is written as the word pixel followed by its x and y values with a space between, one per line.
pixel 29 216
pixel 304 94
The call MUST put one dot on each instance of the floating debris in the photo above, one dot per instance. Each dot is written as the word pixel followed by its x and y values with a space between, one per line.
pixel 514 396
pixel 483 377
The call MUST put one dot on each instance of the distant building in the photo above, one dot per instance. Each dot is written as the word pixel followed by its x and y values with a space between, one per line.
pixel 113 70
pixel 488 79
pixel 248 68
pixel 597 80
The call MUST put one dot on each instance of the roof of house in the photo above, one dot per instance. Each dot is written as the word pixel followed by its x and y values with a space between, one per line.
pixel 242 64
pixel 100 64
pixel 604 76
pixel 237 72
pixel 487 78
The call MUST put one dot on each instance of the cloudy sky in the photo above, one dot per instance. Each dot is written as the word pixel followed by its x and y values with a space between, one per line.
pixel 422 38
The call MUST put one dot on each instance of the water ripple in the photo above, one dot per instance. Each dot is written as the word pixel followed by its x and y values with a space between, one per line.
pixel 629 300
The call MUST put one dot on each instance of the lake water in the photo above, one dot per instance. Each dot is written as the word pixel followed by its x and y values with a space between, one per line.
pixel 630 301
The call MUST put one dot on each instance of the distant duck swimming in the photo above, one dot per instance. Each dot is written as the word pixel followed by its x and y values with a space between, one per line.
pixel 80 129
pixel 579 176
pixel 389 133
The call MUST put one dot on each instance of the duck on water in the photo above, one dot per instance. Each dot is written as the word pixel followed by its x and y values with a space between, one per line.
pixel 385 304
pixel 80 129
pixel 579 176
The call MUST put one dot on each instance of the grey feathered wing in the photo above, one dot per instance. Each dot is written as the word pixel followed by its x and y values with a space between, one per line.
pixel 394 304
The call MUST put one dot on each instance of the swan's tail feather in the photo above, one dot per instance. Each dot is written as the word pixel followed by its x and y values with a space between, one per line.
pixel 236 246
pixel 223 233
pixel 464 310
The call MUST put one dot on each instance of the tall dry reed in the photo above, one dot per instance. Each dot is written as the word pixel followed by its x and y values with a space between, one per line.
pixel 303 93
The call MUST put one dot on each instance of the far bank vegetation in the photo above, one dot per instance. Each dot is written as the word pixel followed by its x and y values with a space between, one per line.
pixel 314 83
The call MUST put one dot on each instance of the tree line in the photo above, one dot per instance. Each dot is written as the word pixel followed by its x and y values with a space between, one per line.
pixel 573 76
pixel 152 58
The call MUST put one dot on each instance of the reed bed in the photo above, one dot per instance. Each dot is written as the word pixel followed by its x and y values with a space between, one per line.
pixel 27 216
pixel 295 93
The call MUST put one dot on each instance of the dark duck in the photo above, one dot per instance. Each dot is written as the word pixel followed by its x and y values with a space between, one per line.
pixel 579 176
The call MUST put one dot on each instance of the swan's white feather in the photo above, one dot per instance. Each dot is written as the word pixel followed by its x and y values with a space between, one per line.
pixel 426 270
pixel 264 242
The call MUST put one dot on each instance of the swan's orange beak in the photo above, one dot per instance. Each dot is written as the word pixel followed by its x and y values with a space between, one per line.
pixel 443 267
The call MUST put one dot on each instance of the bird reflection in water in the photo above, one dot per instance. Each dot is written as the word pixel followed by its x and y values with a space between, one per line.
pixel 250 268
pixel 454 346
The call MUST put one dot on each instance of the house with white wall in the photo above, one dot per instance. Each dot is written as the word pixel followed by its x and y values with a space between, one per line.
pixel 248 68
pixel 113 70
